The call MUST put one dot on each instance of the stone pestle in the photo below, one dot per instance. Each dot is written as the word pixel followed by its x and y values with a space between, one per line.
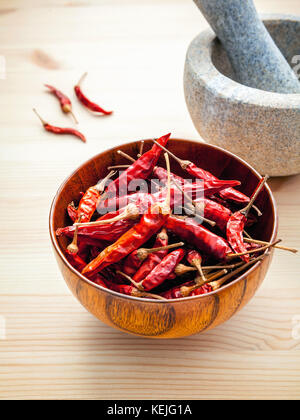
pixel 256 60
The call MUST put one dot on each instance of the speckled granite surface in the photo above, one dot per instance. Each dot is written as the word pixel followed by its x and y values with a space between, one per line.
pixel 254 56
pixel 262 127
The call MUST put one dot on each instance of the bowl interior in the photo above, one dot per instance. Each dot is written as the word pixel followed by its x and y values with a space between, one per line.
pixel 285 33
pixel 221 163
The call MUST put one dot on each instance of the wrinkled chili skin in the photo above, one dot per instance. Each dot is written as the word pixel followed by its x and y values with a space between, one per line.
pixel 175 292
pixel 162 175
pixel 154 258
pixel 133 239
pixel 64 101
pixel 88 205
pixel 197 235
pixel 140 169
pixel 162 271
pixel 75 260
pixel 72 212
pixel 192 256
pixel 61 130
pixel 234 234
pixel 202 290
pixel 228 194
pixel 108 232
pixel 89 104
pixel 215 212
pixel 132 264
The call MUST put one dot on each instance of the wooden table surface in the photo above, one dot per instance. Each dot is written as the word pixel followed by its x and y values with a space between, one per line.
pixel 50 346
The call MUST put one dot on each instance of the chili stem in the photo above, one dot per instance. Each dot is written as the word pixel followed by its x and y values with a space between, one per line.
pixel 185 290
pixel 120 152
pixel 162 248
pixel 256 241
pixel 262 182
pixel 215 267
pixel 117 167
pixel 138 293
pixel 141 149
pixel 137 285
pixel 252 251
pixel 238 270
pixel 130 211
pixel 75 119
pixel 73 247
pixel 101 186
pixel 182 163
pixel 82 78
pixel 40 118
pixel 204 219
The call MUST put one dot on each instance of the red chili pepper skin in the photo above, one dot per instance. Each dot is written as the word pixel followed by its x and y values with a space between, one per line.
pixel 88 205
pixel 228 194
pixel 162 175
pixel 192 256
pixel 140 169
pixel 197 235
pixel 60 130
pixel 133 239
pixel 175 292
pixel 202 290
pixel 64 101
pixel 75 260
pixel 215 212
pixel 163 270
pixel 154 258
pixel 109 232
pixel 72 212
pixel 92 106
pixel 132 264
pixel 98 279
pixel 234 233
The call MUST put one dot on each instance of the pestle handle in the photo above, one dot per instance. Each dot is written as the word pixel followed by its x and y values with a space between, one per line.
pixel 254 56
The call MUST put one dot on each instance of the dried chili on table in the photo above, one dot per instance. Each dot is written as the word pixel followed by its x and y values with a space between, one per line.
pixel 64 101
pixel 60 130
pixel 92 106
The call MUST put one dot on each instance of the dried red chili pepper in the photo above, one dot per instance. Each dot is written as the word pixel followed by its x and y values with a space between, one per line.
pixel 195 259
pixel 134 238
pixel 195 171
pixel 109 232
pixel 140 169
pixel 72 211
pixel 215 211
pixel 161 272
pixel 75 260
pixel 236 225
pixel 197 235
pixel 137 257
pixel 64 101
pixel 90 200
pixel 86 102
pixel 60 130
pixel 154 258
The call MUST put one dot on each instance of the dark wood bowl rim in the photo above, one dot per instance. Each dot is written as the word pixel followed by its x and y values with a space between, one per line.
pixel 70 267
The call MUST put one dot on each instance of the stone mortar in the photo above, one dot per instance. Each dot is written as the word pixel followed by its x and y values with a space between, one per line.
pixel 261 127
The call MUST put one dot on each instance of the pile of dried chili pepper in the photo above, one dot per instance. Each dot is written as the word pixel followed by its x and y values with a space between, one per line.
pixel 184 239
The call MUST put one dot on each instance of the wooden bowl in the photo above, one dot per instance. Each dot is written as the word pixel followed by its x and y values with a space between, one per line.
pixel 174 318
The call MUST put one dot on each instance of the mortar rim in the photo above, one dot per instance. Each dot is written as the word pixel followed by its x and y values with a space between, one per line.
pixel 222 86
